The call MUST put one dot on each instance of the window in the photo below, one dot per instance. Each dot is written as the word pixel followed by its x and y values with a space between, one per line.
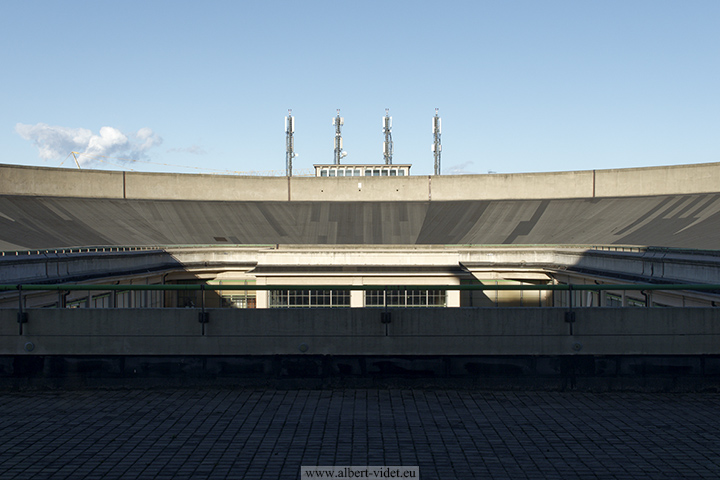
pixel 78 303
pixel 633 302
pixel 332 173
pixel 101 301
pixel 122 299
pixel 341 173
pixel 324 172
pixel 393 173
pixel 368 173
pixel 405 298
pixel 401 172
pixel 357 172
pixel 309 298
pixel 613 300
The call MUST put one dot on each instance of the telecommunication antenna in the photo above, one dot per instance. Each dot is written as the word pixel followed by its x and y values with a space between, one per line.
pixel 339 153
pixel 289 143
pixel 388 143
pixel 75 154
pixel 436 146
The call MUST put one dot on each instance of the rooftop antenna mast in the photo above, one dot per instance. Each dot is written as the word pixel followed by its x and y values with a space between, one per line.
pixel 75 154
pixel 289 143
pixel 388 143
pixel 436 146
pixel 338 121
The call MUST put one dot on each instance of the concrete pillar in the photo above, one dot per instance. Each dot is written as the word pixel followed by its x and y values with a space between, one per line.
pixel 453 298
pixel 357 299
pixel 261 296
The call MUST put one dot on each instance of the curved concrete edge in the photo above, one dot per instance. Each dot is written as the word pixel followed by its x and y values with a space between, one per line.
pixel 59 182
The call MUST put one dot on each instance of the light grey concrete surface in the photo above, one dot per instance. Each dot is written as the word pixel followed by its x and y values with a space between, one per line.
pixel 360 189
pixel 166 186
pixel 60 182
pixel 446 332
pixel 679 179
pixel 512 186
pixel 672 180
pixel 681 221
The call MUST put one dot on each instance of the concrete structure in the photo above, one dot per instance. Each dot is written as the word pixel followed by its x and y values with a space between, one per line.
pixel 362 170
pixel 274 243
pixel 359 332
pixel 631 182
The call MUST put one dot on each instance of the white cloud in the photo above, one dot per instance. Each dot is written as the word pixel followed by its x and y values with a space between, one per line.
pixel 193 149
pixel 55 142
pixel 460 169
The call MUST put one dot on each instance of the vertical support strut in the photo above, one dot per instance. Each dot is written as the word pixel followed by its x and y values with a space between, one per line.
pixel 22 315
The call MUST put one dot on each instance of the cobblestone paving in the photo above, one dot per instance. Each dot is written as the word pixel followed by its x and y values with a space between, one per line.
pixel 258 434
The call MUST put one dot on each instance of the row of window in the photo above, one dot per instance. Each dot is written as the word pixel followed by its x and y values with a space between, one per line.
pixel 341 298
pixel 124 299
pixel 358 172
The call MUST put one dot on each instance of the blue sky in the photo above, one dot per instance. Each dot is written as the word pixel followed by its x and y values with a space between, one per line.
pixel 522 86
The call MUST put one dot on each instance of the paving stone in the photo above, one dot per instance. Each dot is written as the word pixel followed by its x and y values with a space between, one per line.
pixel 227 434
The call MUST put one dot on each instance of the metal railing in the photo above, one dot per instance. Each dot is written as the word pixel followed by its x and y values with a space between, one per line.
pixel 464 287
pixel 131 248
pixel 22 315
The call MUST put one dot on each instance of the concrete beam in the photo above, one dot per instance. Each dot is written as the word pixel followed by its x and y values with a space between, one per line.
pixel 471 331
pixel 672 180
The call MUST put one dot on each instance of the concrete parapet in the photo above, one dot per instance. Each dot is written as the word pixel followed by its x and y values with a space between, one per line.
pixel 361 332
pixel 674 180
pixel 173 186
pixel 512 186
pixel 666 180
pixel 60 182
pixel 359 189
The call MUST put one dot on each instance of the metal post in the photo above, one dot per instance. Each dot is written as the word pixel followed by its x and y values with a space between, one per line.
pixel 22 316
pixel 570 315
pixel 203 316
pixel 388 143
pixel 385 316
pixel 289 143
pixel 436 146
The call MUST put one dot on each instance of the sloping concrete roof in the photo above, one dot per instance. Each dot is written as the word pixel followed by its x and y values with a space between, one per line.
pixel 683 221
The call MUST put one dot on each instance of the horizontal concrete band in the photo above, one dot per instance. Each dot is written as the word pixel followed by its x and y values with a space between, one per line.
pixel 55 182
pixel 471 331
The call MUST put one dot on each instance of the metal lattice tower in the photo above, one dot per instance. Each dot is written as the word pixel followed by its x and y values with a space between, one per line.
pixel 436 146
pixel 388 143
pixel 338 121
pixel 289 143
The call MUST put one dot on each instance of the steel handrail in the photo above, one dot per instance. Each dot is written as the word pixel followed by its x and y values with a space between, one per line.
pixel 471 287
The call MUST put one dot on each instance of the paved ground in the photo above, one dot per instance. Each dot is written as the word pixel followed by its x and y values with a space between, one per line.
pixel 247 434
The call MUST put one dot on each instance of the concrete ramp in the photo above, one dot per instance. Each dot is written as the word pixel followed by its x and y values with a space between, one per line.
pixel 683 221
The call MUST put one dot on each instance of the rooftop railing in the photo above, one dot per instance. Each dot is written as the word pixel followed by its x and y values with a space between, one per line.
pixel 385 316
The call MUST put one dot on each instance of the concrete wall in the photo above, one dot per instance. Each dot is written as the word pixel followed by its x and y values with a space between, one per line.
pixel 678 179
pixel 60 182
pixel 360 189
pixel 360 332
pixel 168 186
pixel 512 186
pixel 681 179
